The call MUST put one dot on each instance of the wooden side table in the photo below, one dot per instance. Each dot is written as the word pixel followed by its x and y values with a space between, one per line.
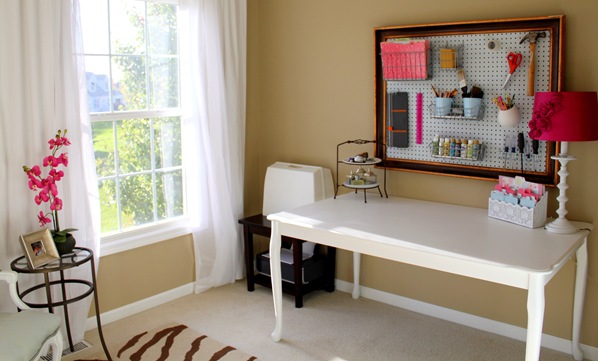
pixel 78 257
pixel 260 225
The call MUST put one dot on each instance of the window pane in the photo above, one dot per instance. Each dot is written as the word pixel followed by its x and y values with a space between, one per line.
pixel 97 69
pixel 127 33
pixel 129 85
pixel 164 83
pixel 162 28
pixel 167 142
pixel 103 145
pixel 94 22
pixel 108 205
pixel 134 148
pixel 169 189
pixel 136 200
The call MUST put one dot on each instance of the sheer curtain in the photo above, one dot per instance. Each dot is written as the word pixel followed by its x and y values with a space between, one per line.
pixel 42 89
pixel 213 67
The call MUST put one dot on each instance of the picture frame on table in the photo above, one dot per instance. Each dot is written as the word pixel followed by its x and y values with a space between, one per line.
pixel 39 248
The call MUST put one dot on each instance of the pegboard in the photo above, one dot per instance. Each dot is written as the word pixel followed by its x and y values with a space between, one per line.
pixel 481 54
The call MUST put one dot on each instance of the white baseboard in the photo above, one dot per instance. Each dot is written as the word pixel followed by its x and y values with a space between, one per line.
pixel 480 323
pixel 136 307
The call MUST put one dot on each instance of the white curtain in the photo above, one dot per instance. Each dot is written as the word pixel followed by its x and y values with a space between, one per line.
pixel 42 89
pixel 213 68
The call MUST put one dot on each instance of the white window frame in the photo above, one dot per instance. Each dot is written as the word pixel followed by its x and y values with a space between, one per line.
pixel 143 235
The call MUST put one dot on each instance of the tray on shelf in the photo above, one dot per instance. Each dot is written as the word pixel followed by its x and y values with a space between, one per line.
pixel 370 161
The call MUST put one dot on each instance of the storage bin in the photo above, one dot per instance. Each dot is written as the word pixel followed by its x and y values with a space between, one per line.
pixel 515 213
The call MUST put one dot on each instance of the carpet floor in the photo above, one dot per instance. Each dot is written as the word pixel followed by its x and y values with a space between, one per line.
pixel 329 327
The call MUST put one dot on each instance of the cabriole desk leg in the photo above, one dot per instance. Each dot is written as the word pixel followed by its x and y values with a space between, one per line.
pixel 535 317
pixel 580 292
pixel 276 278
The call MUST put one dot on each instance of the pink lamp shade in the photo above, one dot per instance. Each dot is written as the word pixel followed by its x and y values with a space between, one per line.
pixel 565 116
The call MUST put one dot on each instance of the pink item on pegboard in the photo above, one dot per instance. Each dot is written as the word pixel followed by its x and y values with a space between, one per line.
pixel 419 136
pixel 405 60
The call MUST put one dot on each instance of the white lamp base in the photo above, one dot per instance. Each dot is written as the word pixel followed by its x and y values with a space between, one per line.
pixel 562 226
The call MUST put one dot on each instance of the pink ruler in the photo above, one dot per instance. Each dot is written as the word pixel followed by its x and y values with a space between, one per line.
pixel 419 125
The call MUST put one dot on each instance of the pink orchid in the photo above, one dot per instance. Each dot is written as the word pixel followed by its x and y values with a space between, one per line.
pixel 46 187
pixel 56 175
pixel 50 161
pixel 43 220
pixel 34 184
pixel 64 158
pixel 56 204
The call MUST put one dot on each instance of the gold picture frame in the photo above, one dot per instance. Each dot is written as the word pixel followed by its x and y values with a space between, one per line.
pixel 39 248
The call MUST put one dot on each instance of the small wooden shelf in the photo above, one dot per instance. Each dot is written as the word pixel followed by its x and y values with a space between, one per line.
pixel 260 225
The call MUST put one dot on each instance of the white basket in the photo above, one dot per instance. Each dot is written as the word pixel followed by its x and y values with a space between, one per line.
pixel 523 216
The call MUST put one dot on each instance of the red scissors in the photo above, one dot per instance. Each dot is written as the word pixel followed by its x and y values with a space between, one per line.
pixel 514 61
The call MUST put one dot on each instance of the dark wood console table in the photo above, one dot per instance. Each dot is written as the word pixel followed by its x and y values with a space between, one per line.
pixel 260 225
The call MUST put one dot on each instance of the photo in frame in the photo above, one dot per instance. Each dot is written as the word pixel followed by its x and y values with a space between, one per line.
pixel 39 248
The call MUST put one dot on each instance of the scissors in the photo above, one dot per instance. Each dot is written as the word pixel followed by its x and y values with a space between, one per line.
pixel 514 61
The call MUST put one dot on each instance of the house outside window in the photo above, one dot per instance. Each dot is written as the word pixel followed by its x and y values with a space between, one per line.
pixel 133 86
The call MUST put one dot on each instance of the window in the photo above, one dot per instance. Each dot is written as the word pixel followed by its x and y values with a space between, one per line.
pixel 132 70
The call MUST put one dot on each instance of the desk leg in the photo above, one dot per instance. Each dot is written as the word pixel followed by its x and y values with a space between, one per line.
pixel 535 317
pixel 580 292
pixel 276 278
pixel 356 271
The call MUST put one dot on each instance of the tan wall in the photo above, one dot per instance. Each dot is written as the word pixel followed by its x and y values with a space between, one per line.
pixel 135 275
pixel 310 86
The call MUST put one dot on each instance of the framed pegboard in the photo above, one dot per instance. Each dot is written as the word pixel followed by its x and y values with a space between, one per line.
pixel 472 53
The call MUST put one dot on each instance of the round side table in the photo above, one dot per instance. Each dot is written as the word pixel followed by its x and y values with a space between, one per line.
pixel 79 257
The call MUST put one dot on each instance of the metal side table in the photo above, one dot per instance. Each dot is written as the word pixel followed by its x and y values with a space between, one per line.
pixel 79 257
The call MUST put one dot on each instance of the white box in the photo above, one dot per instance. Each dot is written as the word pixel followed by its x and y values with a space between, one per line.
pixel 523 216
pixel 289 185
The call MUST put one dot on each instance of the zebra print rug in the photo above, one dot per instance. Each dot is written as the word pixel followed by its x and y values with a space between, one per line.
pixel 176 342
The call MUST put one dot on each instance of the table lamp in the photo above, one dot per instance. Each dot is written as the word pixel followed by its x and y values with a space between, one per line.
pixel 564 117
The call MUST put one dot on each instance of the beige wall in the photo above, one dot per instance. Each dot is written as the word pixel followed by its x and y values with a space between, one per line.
pixel 310 86
pixel 135 275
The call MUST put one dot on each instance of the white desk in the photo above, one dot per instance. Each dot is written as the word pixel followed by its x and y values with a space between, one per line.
pixel 455 239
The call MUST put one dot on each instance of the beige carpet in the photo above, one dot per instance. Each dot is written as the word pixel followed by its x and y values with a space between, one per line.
pixel 330 327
